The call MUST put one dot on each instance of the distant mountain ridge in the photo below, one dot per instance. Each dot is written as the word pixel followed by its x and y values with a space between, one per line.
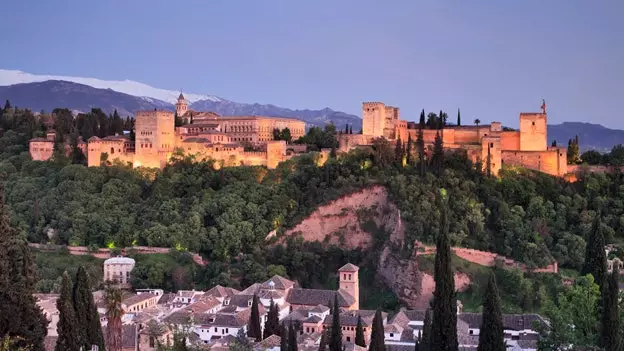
pixel 591 136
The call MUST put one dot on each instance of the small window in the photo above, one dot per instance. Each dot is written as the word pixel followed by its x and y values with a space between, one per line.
pixel 391 335
pixel 533 123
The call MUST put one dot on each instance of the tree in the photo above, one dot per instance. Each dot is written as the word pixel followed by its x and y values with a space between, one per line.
pixel 335 338
pixel 554 143
pixel 408 150
pixel 68 338
pixel 20 317
pixel 420 145
pixel 488 167
pixel 255 329
pixel 323 343
pixel 292 338
pixel 438 154
pixel 574 150
pixel 76 155
pixel 610 335
pixel 491 333
pixel 458 118
pixel 114 313
pixel 271 326
pixel 595 256
pixel 477 122
pixel 359 333
pixel 425 340
pixel 350 129
pixel 7 105
pixel 444 326
pixel 592 157
pixel 398 152
pixel 86 312
pixel 284 337
pixel 377 333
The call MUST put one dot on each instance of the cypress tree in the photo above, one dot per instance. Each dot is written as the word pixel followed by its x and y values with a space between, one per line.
pixel 458 118
pixel 377 334
pixel 444 324
pixel 283 337
pixel 491 334
pixel 421 122
pixel 292 338
pixel 420 144
pixel 68 338
pixel 323 343
pixel 408 150
pixel 335 338
pixel 610 324
pixel 86 312
pixel 438 154
pixel 359 333
pixel 350 129
pixel 271 326
pixel 20 317
pixel 425 340
pixel 488 167
pixel 255 329
pixel 398 152
pixel 595 256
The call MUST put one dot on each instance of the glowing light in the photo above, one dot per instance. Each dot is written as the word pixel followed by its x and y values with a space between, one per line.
pixel 111 245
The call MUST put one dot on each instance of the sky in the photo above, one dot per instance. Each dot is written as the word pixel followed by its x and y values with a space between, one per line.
pixel 493 59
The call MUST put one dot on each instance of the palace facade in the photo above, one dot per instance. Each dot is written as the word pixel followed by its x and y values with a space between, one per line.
pixel 527 147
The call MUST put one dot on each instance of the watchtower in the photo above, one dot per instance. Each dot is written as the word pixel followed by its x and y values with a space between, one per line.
pixel 533 132
pixel 373 118
pixel 181 106
pixel 349 282
pixel 155 138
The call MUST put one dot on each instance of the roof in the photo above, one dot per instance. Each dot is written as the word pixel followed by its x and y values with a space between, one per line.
pixel 166 298
pixel 315 297
pixel 271 294
pixel 181 97
pixel 119 260
pixel 200 125
pixel 320 309
pixel 259 117
pixel 221 291
pixel 350 318
pixel 269 343
pixel 252 289
pixel 279 282
pixel 241 300
pixel 312 319
pixel 41 139
pixel 134 299
pixel 510 321
pixel 349 268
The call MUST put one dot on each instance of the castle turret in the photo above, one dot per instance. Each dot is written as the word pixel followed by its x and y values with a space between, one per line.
pixel 181 106
pixel 349 282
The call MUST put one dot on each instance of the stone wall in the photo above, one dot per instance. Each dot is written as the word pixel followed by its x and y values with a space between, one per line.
pixel 510 140
pixel 547 161
pixel 533 132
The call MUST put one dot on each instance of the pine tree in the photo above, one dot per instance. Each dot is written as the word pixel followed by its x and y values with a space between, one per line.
pixel 86 312
pixel 610 335
pixel 438 154
pixel 20 317
pixel 271 326
pixel 283 337
pixel 491 335
pixel 255 329
pixel 292 338
pixel 458 118
pixel 7 106
pixel 425 340
pixel 377 334
pixel 408 150
pixel 595 256
pixel 444 326
pixel 68 339
pixel 359 333
pixel 335 338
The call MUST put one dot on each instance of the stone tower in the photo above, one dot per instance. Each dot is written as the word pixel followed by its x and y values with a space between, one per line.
pixel 350 283
pixel 181 106
pixel 155 138
pixel 373 118
pixel 533 129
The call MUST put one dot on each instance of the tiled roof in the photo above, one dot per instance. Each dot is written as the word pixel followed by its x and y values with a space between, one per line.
pixel 134 299
pixel 252 289
pixel 407 335
pixel 320 309
pixel 268 343
pixel 195 140
pixel 527 344
pixel 241 300
pixel 271 294
pixel 314 297
pixel 350 318
pixel 220 291
pixel 312 319
pixel 349 268
pixel 281 283
pixel 510 321
pixel 166 298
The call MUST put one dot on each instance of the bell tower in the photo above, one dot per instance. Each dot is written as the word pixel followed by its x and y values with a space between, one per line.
pixel 181 106
pixel 350 283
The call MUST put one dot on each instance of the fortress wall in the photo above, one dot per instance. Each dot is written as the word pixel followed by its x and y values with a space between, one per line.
pixel 533 132
pixel 510 140
pixel 543 161
pixel 41 150
pixel 347 142
pixel 466 136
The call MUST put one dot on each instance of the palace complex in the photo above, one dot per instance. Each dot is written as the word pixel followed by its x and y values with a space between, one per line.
pixel 527 147
pixel 207 136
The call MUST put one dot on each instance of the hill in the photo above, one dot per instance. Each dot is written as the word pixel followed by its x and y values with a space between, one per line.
pixel 591 136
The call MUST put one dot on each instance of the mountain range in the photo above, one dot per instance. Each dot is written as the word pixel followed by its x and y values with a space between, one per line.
pixel 45 92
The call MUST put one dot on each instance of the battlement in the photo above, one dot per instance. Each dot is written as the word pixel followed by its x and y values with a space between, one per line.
pixel 373 104
pixel 533 115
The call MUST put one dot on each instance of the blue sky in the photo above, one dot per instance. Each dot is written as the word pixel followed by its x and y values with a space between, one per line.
pixel 493 59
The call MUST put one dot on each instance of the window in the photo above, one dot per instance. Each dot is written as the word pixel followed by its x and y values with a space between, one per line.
pixel 392 335
pixel 533 123
pixel 348 339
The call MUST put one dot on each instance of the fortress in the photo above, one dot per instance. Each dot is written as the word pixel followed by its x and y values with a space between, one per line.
pixel 207 136
pixel 527 147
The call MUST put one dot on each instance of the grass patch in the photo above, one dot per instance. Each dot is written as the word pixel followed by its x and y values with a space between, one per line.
pixel 51 265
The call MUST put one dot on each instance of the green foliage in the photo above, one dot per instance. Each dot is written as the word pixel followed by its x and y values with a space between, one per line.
pixel 610 327
pixel 271 326
pixel 491 332
pixel 595 255
pixel 318 138
pixel 335 336
pixel 359 333
pixel 172 272
pixel 425 341
pixel 283 337
pixel 86 313
pixel 68 334
pixel 574 152
pixel 255 330
pixel 292 338
pixel 51 265
pixel 377 333
pixel 444 326
pixel 283 134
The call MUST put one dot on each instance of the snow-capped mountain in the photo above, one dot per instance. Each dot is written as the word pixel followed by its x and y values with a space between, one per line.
pixel 10 77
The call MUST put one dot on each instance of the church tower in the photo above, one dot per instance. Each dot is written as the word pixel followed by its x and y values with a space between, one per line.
pixel 181 106
pixel 349 282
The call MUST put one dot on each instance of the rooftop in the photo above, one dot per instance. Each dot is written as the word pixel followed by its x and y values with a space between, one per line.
pixel 315 297
pixel 119 260
pixel 349 268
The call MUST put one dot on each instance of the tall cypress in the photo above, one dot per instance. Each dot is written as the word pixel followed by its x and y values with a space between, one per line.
pixel 610 324
pixel 20 317
pixel 255 329
pixel 595 255
pixel 359 333
pixel 377 334
pixel 283 337
pixel 292 338
pixel 271 326
pixel 68 339
pixel 444 326
pixel 398 152
pixel 491 333
pixel 425 340
pixel 335 338
pixel 420 144
pixel 458 118
pixel 438 154
pixel 408 150
pixel 323 343
pixel 87 315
